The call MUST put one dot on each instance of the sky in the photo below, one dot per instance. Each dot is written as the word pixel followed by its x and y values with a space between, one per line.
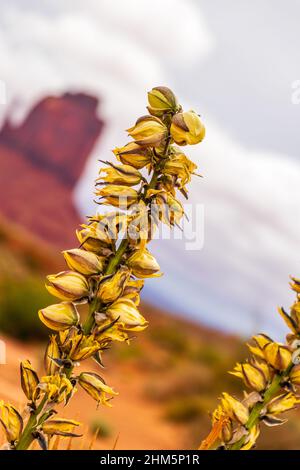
pixel 235 63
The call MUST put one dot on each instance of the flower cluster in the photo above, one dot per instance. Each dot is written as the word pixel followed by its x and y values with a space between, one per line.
pixel 107 270
pixel 272 377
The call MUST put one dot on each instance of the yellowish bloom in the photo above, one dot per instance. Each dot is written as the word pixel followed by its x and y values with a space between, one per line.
pixel 148 131
pixel 121 174
pixel 58 388
pixel 161 101
pixel 295 284
pixel 84 262
pixel 52 352
pixel 29 381
pixel 59 316
pixel 235 409
pixel 277 355
pixel 143 264
pixel 133 154
pixel 60 427
pixel 82 347
pixel 252 375
pixel 282 403
pixel 166 207
pixel 260 341
pixel 125 311
pixel 95 386
pixel 11 421
pixel 118 196
pixel 132 290
pixel 187 128
pixel 111 288
pixel 68 285
pixel 180 167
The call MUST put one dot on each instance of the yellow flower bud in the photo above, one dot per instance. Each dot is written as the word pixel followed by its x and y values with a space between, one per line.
pixel 82 347
pixel 118 196
pixel 59 316
pixel 60 427
pixel 282 403
pixel 252 376
pixel 125 311
pixel 161 101
pixel 111 288
pixel 166 207
pixel 295 375
pixel 84 262
pixel 260 341
pixel 148 131
pixel 277 355
pixel 132 290
pixel 133 154
pixel 68 285
pixel 29 381
pixel 95 386
pixel 180 167
pixel 235 409
pixel 251 438
pixel 121 174
pixel 143 264
pixel 58 387
pixel 187 128
pixel 52 352
pixel 11 421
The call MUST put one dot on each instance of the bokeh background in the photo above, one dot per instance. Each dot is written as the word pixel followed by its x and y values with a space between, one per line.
pixel 73 76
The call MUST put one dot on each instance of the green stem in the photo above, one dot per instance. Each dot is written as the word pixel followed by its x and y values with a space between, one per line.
pixel 256 411
pixel 27 437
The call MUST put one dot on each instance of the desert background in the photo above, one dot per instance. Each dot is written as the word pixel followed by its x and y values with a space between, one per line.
pixel 73 76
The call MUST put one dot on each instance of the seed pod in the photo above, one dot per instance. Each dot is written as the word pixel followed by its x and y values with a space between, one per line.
pixel 83 261
pixel 59 316
pixel 118 196
pixel 143 264
pixel 125 175
pixel 95 386
pixel 52 353
pixel 161 101
pixel 277 355
pixel 235 409
pixel 11 421
pixel 282 403
pixel 134 155
pixel 60 427
pixel 125 311
pixel 187 128
pixel 68 285
pixel 112 288
pixel 29 381
pixel 148 131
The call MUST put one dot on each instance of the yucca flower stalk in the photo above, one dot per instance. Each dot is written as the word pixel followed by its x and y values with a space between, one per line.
pixel 272 378
pixel 107 270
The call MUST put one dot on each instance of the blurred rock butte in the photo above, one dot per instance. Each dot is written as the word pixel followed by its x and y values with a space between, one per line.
pixel 40 162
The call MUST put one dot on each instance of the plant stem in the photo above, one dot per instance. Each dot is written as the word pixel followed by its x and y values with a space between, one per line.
pixel 255 413
pixel 27 437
